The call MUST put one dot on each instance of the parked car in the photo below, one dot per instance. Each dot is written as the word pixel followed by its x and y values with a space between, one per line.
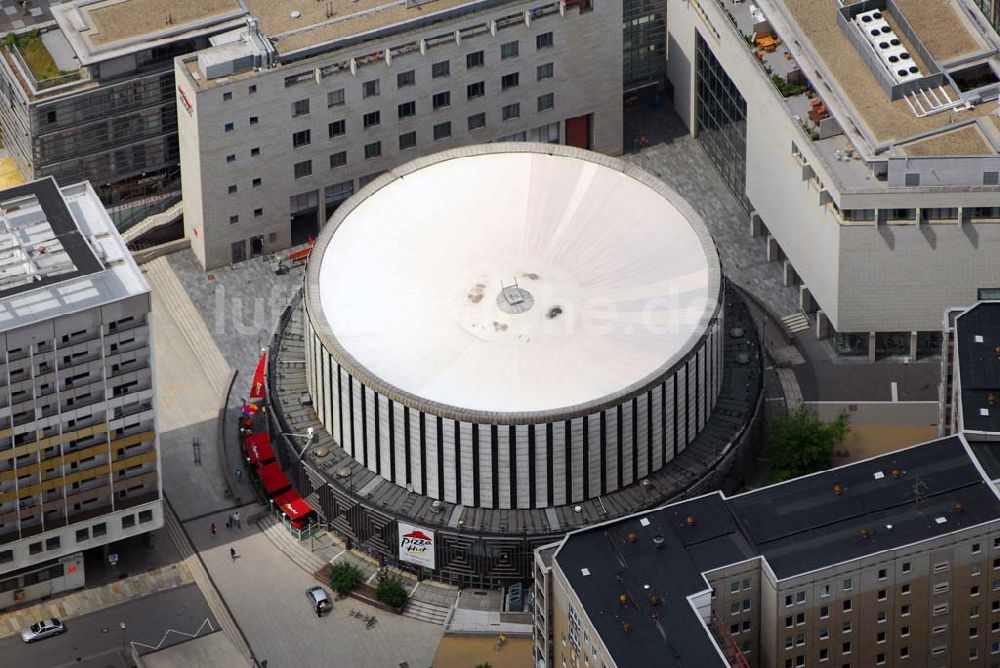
pixel 319 599
pixel 43 629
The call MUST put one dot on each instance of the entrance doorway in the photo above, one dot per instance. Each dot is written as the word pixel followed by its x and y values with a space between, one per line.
pixel 257 245
pixel 578 131
pixel 304 210
pixel 238 249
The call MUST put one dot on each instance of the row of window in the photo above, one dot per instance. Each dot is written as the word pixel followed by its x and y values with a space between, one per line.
pixel 82 535
pixel 880 658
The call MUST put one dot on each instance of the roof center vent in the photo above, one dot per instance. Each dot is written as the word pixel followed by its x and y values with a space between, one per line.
pixel 295 14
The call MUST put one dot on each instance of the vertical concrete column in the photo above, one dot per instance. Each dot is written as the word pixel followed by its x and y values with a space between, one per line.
pixel 806 301
pixel 773 250
pixel 789 274
pixel 913 346
pixel 822 325
pixel 756 225
pixel 871 347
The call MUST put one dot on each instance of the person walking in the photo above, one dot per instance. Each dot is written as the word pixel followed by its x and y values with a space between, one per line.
pixel 239 475
pixel 236 518
pixel 229 522
pixel 213 528
pixel 232 553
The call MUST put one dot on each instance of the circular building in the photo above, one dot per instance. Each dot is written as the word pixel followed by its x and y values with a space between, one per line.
pixel 514 326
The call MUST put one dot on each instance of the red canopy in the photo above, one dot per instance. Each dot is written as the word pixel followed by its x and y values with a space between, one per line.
pixel 273 477
pixel 257 387
pixel 292 505
pixel 259 447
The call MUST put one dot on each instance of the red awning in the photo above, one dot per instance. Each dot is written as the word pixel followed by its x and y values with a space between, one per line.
pixel 292 505
pixel 257 387
pixel 259 447
pixel 273 478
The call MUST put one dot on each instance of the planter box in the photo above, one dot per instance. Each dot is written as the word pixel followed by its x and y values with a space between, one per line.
pixel 366 593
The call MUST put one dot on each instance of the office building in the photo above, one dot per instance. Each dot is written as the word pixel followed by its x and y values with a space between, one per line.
pixel 93 97
pixel 869 163
pixel 284 119
pixel 78 448
pixel 892 561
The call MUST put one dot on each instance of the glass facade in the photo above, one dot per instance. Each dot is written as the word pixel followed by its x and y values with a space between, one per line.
pixel 722 120
pixel 991 10
pixel 644 34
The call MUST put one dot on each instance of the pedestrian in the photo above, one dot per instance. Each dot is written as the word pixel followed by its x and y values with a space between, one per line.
pixel 232 553
pixel 319 610
pixel 236 517
pixel 229 522
pixel 239 475
pixel 213 528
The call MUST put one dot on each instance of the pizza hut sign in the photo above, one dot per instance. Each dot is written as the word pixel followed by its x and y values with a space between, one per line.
pixel 416 545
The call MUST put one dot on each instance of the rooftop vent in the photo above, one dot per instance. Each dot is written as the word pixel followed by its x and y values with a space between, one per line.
pixel 878 475
pixel 632 536
pixel 690 520
pixel 978 338
pixel 940 520
pixel 644 522
pixel 984 412
pixel 659 541
pixel 585 572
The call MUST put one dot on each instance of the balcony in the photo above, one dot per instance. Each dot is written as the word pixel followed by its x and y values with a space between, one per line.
pixel 36 62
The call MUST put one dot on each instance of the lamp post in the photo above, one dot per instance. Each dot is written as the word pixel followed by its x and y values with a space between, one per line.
pixel 124 656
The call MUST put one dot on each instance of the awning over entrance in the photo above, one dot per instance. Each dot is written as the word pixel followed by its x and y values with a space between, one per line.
pixel 292 505
pixel 257 387
pixel 259 448
pixel 273 478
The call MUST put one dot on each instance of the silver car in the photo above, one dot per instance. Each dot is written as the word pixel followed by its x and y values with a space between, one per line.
pixel 319 599
pixel 43 629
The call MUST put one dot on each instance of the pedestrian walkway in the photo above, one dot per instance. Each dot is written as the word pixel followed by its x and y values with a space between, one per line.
pixel 796 322
pixel 97 598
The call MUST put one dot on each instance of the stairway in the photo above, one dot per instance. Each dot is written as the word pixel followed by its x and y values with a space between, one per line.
pixel 151 222
pixel 426 612
pixel 300 554
pixel 171 301
pixel 795 322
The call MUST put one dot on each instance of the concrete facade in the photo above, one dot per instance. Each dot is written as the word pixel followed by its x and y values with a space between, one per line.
pixel 249 171
pixel 874 255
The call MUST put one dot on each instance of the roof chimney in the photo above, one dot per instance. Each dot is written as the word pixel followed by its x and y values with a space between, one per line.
pixel 632 537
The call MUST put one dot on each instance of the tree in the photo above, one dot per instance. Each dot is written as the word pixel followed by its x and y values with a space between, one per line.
pixel 344 577
pixel 391 592
pixel 801 443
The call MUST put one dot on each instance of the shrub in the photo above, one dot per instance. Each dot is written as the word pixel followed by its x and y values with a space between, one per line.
pixel 391 592
pixel 801 443
pixel 344 577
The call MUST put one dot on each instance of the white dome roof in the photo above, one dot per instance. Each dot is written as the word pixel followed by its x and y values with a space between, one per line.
pixel 614 282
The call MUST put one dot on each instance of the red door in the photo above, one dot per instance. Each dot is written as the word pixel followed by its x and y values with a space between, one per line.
pixel 578 131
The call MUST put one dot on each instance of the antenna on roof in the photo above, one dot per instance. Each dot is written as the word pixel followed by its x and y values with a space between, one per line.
pixel 919 490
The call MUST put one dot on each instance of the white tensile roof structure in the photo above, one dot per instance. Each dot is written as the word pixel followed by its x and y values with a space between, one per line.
pixel 516 278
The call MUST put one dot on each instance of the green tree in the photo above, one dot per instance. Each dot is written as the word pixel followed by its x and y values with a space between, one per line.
pixel 801 443
pixel 344 577
pixel 391 592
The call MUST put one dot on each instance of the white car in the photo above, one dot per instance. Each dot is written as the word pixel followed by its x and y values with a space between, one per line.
pixel 43 629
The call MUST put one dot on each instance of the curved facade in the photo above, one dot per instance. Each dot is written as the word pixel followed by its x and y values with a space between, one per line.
pixel 426 378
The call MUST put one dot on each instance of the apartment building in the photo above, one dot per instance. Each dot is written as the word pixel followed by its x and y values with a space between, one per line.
pixel 78 448
pixel 92 97
pixel 892 561
pixel 872 172
pixel 289 116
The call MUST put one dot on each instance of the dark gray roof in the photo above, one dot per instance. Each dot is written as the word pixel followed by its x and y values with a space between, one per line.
pixel 60 219
pixel 977 341
pixel 798 526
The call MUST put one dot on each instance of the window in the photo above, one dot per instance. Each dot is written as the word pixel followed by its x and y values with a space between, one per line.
pixel 82 535
pixel 825 592
pixel 881 617
pixel 368 178
pixel 974 590
pixel 543 41
pixel 991 178
pixel 975 569
pixel 228 127
pixel 337 128
pixel 846 647
pixel 846 627
pixel 546 102
pixel 824 633
pixel 747 605
pixel 441 100
pixel 976 548
pixel 824 612
pixel 475 90
pixel 474 59
pixel 788 622
pixel 904 631
pixel 904 610
pixel 882 574
pixel 904 590
pixel 231 157
pixel 52 543
pixel 251 89
pixel 338 159
pixel 99 529
pixel 735 587
pixel 257 213
pixel 824 654
pixel 373 150
pixel 255 151
pixel 800 619
pixel 734 608
pixel 370 88
pixel 442 131
pixel 940 609
pixel 941 566
pixel 234 219
pixel 304 168
pixel 254 120
pixel 404 79
pixel 880 637
pixel 973 631
pixel 544 71
pixel 441 69
pixel 128 521
pixel 300 107
pixel 973 612
pixel 847 605
pixel 477 121
pixel 226 97
pixel 256 182
pixel 508 81
pixel 371 119
pixel 912 179
pixel 508 50
pixel 881 594
pixel 35 548
pixel 301 138
pixel 510 111
pixel 746 584
pixel 407 109
pixel 848 584
pixel 335 98
pixel 407 140
pixel 232 189
pixel 880 659
pixel 904 652
pixel 906 567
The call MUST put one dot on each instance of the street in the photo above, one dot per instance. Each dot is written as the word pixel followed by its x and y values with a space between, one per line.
pixel 97 639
